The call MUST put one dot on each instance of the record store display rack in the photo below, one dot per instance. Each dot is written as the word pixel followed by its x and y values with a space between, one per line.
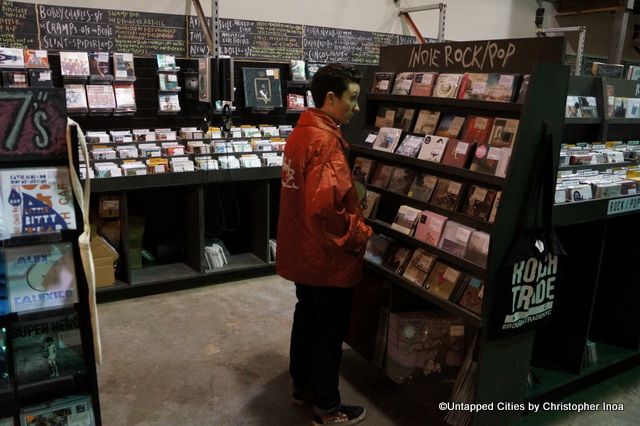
pixel 434 203
pixel 47 362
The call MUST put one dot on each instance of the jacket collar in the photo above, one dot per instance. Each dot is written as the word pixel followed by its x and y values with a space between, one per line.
pixel 314 117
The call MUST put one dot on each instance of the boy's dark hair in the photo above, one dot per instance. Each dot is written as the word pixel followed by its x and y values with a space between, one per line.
pixel 333 78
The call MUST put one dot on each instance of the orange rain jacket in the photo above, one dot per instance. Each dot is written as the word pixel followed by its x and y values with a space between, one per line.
pixel 321 231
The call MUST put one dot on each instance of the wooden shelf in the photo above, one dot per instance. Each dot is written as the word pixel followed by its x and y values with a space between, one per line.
pixel 453 308
pixel 238 262
pixel 439 169
pixel 555 384
pixel 162 273
pixel 599 167
pixel 463 264
pixel 456 216
pixel 576 121
pixel 576 212
pixel 497 107
pixel 127 183
pixel 623 121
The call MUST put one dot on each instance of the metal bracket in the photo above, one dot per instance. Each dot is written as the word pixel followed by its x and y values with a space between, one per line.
pixel 581 39
pixel 442 7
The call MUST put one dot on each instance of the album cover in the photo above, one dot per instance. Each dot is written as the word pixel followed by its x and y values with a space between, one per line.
pixel 600 69
pixel 312 69
pixel 455 238
pixel 471 293
pixel 419 266
pixel 36 58
pixel 395 257
pixel 406 219
pixel 410 146
pixel 362 168
pixel 433 148
pixel 588 106
pixel 503 163
pixel 485 159
pixel 423 83
pixel 524 88
pixel 572 109
pixel 450 126
pixel 76 97
pixel 123 66
pixel 5 381
pixel 500 87
pixel 166 62
pixel 457 153
pixel 262 87
pixel 68 411
pixel 168 82
pixel 422 187
pixel 40 78
pixel 371 204
pixel 429 227
pixel 479 202
pixel 478 248
pixel 385 117
pixel 297 70
pixel 620 107
pixel 37 200
pixel 100 97
pixel 426 122
pixel 442 280
pixel 125 97
pixel 428 345
pixel 382 82
pixel 503 132
pixel 74 64
pixel 387 139
pixel 494 209
pixel 473 86
pixel 402 85
pixel 446 194
pixel 633 108
pixel 169 102
pixel 376 248
pixel 47 348
pixel 404 118
pixel 477 129
pixel 295 102
pixel 40 276
pixel 15 79
pixel 382 175
pixel 401 180
pixel 99 68
pixel 447 86
pixel 11 57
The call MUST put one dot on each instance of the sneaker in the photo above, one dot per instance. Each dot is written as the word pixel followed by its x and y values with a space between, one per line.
pixel 345 415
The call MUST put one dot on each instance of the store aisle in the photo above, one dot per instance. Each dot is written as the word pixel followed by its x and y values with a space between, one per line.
pixel 218 355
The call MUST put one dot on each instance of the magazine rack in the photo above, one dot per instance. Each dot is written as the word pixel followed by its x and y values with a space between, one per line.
pixel 32 388
pixel 502 364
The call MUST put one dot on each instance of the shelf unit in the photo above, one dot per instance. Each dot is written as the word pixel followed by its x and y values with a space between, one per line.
pixel 600 293
pixel 68 325
pixel 502 363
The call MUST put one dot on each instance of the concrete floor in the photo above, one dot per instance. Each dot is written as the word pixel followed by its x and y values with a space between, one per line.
pixel 218 355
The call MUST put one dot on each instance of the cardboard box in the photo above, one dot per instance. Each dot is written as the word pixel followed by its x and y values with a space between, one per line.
pixel 109 206
pixel 104 258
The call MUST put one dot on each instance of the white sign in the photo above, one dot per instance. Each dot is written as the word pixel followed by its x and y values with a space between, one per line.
pixel 623 205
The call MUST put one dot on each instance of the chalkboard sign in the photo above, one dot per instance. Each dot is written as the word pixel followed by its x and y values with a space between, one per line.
pixel 489 56
pixel 56 28
pixel 18 25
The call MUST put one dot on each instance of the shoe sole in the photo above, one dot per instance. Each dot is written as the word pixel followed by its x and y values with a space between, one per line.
pixel 349 422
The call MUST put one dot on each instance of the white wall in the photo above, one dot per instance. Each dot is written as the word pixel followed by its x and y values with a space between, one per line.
pixel 466 19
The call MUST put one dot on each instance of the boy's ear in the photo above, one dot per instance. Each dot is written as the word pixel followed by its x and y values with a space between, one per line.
pixel 330 97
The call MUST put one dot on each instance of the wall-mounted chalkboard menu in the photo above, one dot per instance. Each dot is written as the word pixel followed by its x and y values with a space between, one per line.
pixel 56 28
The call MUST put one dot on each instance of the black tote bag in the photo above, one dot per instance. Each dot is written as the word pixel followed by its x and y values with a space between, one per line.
pixel 531 273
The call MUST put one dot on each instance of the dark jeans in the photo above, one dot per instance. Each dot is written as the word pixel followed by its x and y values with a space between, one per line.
pixel 320 324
